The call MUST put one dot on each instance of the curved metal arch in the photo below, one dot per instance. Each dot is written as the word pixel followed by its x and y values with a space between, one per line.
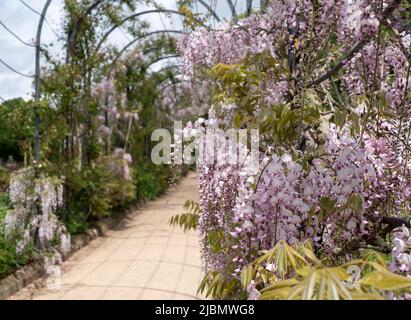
pixel 150 63
pixel 151 49
pixel 122 51
pixel 16 71
pixel 37 84
pixel 158 72
pixel 95 4
pixel 135 15
pixel 173 66
pixel 209 9
pixel 172 83
pixel 231 5
pixel 160 59
pixel 177 81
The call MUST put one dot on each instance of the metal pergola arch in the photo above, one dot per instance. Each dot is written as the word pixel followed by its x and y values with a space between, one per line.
pixel 173 83
pixel 166 68
pixel 95 4
pixel 135 15
pixel 167 77
pixel 155 47
pixel 71 37
pixel 37 92
pixel 146 66
pixel 126 47
pixel 172 56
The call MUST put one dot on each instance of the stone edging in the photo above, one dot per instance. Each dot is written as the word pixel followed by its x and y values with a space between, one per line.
pixel 20 278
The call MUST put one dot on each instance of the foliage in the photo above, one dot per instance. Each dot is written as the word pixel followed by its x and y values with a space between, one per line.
pixel 215 285
pixel 151 181
pixel 77 223
pixel 9 259
pixel 188 220
pixel 17 128
pixel 14 140
pixel 4 179
pixel 96 191
pixel 334 161
pixel 295 273
pixel 287 272
pixel 119 187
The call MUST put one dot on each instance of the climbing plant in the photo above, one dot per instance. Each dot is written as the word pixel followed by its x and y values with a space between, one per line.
pixel 327 85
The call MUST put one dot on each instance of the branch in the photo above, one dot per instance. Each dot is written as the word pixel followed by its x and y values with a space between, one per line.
pixel 249 7
pixel 360 45
pixel 395 222
pixel 73 33
pixel 209 9
pixel 376 240
pixel 233 11
pixel 396 32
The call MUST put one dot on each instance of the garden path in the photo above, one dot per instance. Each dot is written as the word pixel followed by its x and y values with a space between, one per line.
pixel 143 258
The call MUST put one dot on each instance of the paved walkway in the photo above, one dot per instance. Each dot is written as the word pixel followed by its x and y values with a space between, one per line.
pixel 144 258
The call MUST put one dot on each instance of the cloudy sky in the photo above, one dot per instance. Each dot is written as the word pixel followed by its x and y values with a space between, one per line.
pixel 22 21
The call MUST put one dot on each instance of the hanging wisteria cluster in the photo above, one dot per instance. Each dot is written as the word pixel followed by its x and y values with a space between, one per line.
pixel 287 202
pixel 121 164
pixel 185 99
pixel 33 221
pixel 338 182
pixel 285 21
pixel 401 251
pixel 114 108
pixel 115 113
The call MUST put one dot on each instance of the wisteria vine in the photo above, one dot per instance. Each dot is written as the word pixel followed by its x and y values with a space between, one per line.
pixel 344 171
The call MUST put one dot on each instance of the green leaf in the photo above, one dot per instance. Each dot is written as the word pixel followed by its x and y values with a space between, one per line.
pixel 188 220
pixel 355 122
pixel 327 203
pixel 247 275
pixel 385 280
pixel 355 202
pixel 340 118
pixel 326 207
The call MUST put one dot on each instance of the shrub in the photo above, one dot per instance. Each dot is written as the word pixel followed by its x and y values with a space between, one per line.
pixel 150 181
pixel 95 191
pixel 4 179
pixel 9 260
pixel 87 193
